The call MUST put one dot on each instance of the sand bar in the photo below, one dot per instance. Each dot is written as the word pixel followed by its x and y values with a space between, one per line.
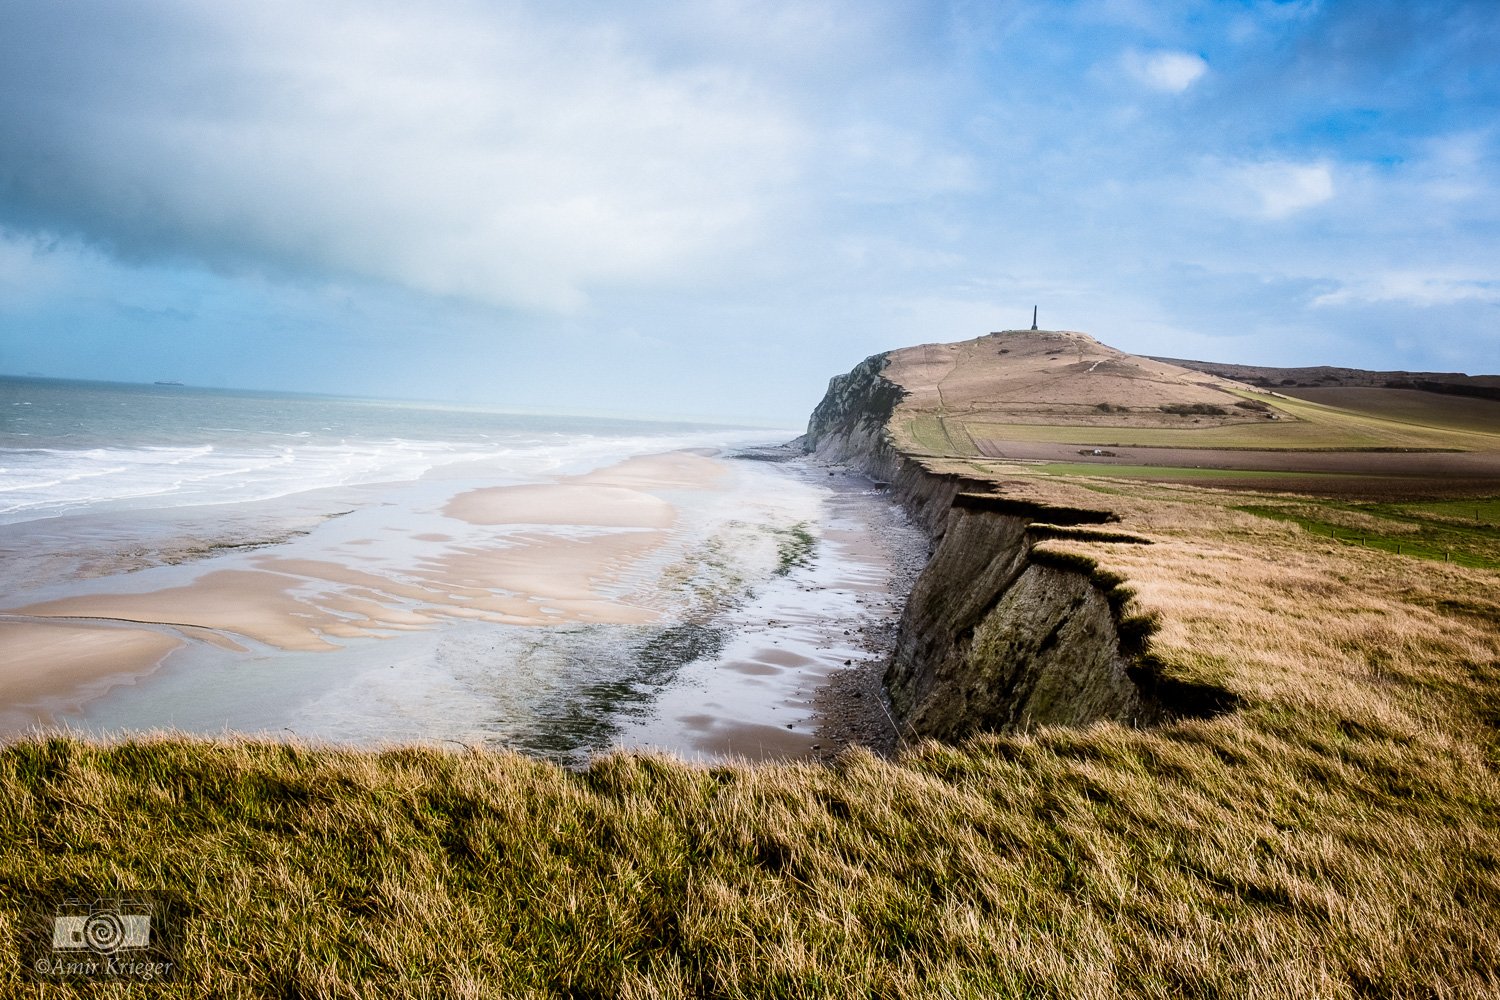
pixel 562 503
pixel 584 534
pixel 243 603
pixel 45 661
pixel 677 470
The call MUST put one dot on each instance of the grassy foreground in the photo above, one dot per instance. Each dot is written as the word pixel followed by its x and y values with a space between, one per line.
pixel 1337 835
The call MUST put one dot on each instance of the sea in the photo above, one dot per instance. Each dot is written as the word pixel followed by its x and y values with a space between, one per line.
pixel 70 447
pixel 123 488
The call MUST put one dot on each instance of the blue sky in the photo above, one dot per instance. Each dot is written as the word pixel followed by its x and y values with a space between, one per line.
pixel 708 208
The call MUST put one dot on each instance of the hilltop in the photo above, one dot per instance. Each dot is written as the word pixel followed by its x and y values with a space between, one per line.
pixel 1062 398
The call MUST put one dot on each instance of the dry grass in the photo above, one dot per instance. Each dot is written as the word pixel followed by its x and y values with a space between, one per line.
pixel 1337 836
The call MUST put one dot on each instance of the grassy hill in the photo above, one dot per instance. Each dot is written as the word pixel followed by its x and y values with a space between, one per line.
pixel 1056 397
pixel 1332 376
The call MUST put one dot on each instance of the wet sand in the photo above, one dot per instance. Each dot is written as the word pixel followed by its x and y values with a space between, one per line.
pixel 581 537
pixel 802 674
pixel 54 667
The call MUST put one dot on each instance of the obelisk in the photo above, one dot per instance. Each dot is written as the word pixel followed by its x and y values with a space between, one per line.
pixel 1033 317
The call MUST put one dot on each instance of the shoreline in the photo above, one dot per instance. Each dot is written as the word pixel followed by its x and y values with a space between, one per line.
pixel 581 551
pixel 800 677
pixel 55 670
pixel 262 592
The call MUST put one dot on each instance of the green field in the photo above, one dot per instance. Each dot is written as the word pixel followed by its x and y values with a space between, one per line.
pixel 1478 512
pixel 936 435
pixel 1465 532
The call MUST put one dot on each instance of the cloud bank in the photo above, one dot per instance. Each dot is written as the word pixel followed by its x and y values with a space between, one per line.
pixel 517 160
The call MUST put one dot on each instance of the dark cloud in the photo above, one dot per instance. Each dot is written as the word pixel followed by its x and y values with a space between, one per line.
pixel 507 157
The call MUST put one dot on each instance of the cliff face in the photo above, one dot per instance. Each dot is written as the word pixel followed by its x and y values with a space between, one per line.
pixel 996 635
pixel 849 426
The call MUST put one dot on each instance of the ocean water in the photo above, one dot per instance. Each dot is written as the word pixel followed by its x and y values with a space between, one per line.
pixel 761 589
pixel 69 447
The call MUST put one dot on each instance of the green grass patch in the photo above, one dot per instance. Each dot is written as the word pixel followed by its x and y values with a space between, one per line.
pixel 1481 512
pixel 1420 530
pixel 940 436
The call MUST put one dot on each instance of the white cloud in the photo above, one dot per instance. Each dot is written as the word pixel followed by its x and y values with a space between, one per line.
pixel 1413 288
pixel 1280 189
pixel 1168 72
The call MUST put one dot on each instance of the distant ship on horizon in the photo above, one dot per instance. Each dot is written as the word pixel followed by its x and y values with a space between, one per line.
pixel 167 381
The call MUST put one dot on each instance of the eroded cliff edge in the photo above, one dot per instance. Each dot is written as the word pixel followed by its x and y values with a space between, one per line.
pixel 850 425
pixel 997 634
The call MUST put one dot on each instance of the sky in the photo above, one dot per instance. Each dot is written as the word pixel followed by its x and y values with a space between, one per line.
pixel 706 209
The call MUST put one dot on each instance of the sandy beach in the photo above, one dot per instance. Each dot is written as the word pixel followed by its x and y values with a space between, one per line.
pixel 52 667
pixel 649 547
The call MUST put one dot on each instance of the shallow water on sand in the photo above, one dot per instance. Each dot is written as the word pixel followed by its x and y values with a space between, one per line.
pixel 709 641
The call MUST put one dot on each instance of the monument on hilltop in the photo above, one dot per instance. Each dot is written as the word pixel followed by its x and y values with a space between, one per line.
pixel 1033 317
